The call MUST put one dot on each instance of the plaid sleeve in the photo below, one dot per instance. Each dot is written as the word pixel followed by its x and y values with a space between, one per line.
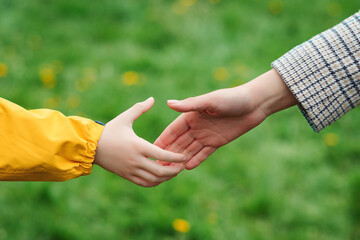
pixel 324 73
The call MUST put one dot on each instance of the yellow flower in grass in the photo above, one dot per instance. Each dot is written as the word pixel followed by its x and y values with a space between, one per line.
pixel 130 78
pixel 181 225
pixel 178 8
pixel 188 3
pixel 334 9
pixel 181 7
pixel 221 74
pixel 3 69
pixel 47 76
pixel 331 139
pixel 276 6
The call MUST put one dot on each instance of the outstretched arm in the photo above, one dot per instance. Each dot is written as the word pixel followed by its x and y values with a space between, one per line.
pixel 321 75
pixel 212 120
pixel 45 145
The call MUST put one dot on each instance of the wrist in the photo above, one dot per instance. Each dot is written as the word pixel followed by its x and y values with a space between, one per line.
pixel 271 93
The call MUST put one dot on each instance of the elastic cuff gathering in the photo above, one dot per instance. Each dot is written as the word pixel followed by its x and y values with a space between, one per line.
pixel 94 132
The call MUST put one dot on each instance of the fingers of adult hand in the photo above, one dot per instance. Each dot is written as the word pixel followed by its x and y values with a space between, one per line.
pixel 192 149
pixel 198 103
pixel 163 163
pixel 172 132
pixel 141 182
pixel 138 109
pixel 160 170
pixel 181 142
pixel 158 153
pixel 172 164
pixel 189 152
pixel 199 157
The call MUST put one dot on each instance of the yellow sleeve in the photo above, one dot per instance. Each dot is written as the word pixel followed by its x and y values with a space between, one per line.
pixel 45 145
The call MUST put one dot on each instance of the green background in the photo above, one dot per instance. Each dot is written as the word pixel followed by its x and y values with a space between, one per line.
pixel 279 181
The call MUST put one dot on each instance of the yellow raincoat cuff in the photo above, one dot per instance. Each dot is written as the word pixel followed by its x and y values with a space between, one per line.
pixel 94 133
pixel 45 145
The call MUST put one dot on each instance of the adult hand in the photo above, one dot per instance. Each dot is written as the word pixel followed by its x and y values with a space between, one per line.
pixel 122 152
pixel 212 120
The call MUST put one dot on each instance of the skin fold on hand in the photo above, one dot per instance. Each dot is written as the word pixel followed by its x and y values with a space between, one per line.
pixel 214 119
pixel 122 152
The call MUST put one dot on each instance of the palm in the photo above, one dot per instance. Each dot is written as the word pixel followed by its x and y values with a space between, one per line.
pixel 214 131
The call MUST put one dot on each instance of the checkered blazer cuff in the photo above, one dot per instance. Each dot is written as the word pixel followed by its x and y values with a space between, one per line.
pixel 324 73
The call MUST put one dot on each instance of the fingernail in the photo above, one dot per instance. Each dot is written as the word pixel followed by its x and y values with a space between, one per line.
pixel 173 101
pixel 149 99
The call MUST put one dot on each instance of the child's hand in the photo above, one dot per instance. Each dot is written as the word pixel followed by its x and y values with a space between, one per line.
pixel 122 152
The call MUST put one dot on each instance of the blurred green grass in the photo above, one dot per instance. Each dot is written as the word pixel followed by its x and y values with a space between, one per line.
pixel 279 181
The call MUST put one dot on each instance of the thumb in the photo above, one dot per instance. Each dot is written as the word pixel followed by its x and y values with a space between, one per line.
pixel 138 109
pixel 198 103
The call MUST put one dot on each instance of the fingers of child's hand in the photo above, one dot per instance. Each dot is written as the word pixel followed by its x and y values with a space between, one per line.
pixel 157 153
pixel 189 152
pixel 149 177
pixel 199 157
pixel 141 182
pixel 152 173
pixel 160 170
pixel 138 109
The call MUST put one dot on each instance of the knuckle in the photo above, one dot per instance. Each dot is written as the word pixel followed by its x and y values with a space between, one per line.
pixel 154 180
pixel 138 106
pixel 150 179
pixel 160 172
pixel 133 145
pixel 133 165
pixel 142 104
pixel 141 183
